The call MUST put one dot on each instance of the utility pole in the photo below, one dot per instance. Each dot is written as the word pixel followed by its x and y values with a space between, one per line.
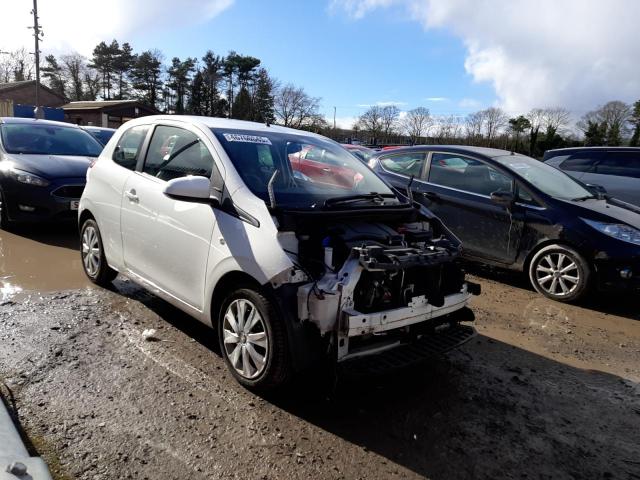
pixel 37 112
pixel 334 119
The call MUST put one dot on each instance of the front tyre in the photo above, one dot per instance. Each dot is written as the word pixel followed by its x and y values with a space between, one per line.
pixel 253 340
pixel 560 273
pixel 4 213
pixel 94 261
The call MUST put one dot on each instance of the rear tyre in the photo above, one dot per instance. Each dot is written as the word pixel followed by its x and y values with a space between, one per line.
pixel 253 340
pixel 5 223
pixel 94 261
pixel 560 273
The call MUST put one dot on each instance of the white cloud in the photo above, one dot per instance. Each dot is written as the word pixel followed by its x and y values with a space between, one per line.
pixel 436 99
pixel 469 103
pixel 80 24
pixel 574 53
pixel 343 122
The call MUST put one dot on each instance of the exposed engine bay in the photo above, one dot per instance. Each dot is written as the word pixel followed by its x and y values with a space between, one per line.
pixel 360 278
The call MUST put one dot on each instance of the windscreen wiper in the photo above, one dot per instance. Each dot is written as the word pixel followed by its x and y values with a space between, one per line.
pixel 582 199
pixel 373 196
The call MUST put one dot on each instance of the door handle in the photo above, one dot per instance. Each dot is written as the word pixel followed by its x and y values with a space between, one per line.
pixel 325 169
pixel 131 195
pixel 434 197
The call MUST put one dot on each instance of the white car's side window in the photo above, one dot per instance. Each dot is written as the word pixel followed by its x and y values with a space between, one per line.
pixel 126 152
pixel 175 152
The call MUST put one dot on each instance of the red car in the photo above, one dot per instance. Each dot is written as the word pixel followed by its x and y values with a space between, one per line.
pixel 363 153
pixel 323 167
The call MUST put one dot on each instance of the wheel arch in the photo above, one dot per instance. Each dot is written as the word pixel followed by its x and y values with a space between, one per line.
pixel 230 281
pixel 561 242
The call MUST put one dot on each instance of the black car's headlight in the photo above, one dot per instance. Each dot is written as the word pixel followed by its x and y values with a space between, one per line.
pixel 616 230
pixel 28 178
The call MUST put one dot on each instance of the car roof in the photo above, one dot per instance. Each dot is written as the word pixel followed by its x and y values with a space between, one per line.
pixel 581 149
pixel 100 129
pixel 484 151
pixel 216 122
pixel 13 120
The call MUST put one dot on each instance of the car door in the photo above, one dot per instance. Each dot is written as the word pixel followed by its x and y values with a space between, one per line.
pixel 108 180
pixel 458 189
pixel 619 173
pixel 398 168
pixel 166 241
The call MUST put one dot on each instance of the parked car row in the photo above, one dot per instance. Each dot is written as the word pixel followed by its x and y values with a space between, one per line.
pixel 519 213
pixel 294 248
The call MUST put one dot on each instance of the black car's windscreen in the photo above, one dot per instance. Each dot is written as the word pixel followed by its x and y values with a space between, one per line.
pixel 310 169
pixel 103 136
pixel 546 178
pixel 46 139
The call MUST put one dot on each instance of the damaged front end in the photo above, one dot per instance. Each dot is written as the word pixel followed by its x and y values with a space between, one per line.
pixel 372 281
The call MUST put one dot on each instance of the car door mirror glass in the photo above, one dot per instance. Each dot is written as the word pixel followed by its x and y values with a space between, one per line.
pixel 190 188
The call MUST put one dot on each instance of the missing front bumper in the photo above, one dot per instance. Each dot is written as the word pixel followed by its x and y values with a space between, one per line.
pixel 428 345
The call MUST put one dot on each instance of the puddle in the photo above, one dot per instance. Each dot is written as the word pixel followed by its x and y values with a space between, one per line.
pixel 39 260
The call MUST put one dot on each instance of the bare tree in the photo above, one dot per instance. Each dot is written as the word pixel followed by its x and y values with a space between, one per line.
pixel 293 107
pixel 371 122
pixel 16 65
pixel 495 120
pixel 74 67
pixel 555 119
pixel 417 123
pixel 474 123
pixel 389 119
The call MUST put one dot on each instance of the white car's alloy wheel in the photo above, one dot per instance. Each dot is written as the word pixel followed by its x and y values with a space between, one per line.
pixel 246 343
pixel 91 251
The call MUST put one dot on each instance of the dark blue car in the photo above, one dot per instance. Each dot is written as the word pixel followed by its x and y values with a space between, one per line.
pixel 43 167
pixel 516 212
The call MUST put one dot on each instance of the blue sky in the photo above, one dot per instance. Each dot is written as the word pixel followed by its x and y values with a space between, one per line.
pixel 384 57
pixel 470 54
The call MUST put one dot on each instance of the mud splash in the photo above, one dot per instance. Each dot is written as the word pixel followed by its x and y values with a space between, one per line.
pixel 39 260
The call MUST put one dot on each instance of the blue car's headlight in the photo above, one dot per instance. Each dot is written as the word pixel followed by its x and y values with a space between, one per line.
pixel 616 230
pixel 28 178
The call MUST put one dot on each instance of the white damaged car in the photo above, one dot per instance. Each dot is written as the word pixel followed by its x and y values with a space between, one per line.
pixel 281 240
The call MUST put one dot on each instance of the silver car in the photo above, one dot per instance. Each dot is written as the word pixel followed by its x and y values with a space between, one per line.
pixel 617 169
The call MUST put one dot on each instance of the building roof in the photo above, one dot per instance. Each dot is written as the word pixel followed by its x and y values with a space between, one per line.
pixel 106 104
pixel 7 87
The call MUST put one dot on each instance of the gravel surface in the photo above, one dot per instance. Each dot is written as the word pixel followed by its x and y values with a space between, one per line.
pixel 544 391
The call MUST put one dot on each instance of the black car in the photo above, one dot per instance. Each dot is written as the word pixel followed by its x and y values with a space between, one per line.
pixel 43 167
pixel 513 211
pixel 102 134
pixel 616 169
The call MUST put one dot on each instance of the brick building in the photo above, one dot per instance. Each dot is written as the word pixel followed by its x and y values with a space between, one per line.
pixel 24 93
pixel 105 113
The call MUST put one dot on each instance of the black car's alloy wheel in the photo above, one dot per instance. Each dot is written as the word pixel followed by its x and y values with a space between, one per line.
pixel 560 273
pixel 94 262
pixel 253 340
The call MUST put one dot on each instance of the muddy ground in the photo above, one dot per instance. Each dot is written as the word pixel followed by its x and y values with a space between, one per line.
pixel 544 391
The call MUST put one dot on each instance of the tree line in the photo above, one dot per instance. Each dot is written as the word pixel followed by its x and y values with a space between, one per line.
pixel 614 123
pixel 233 85
pixel 239 86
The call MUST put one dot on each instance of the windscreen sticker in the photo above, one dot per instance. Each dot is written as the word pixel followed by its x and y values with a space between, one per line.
pixel 236 137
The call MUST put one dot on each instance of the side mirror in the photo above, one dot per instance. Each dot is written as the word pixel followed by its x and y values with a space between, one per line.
pixel 504 199
pixel 189 189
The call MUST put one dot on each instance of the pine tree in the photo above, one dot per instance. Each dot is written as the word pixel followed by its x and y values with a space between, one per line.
pixel 263 99
pixel 635 121
pixel 52 71
pixel 145 76
pixel 242 105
